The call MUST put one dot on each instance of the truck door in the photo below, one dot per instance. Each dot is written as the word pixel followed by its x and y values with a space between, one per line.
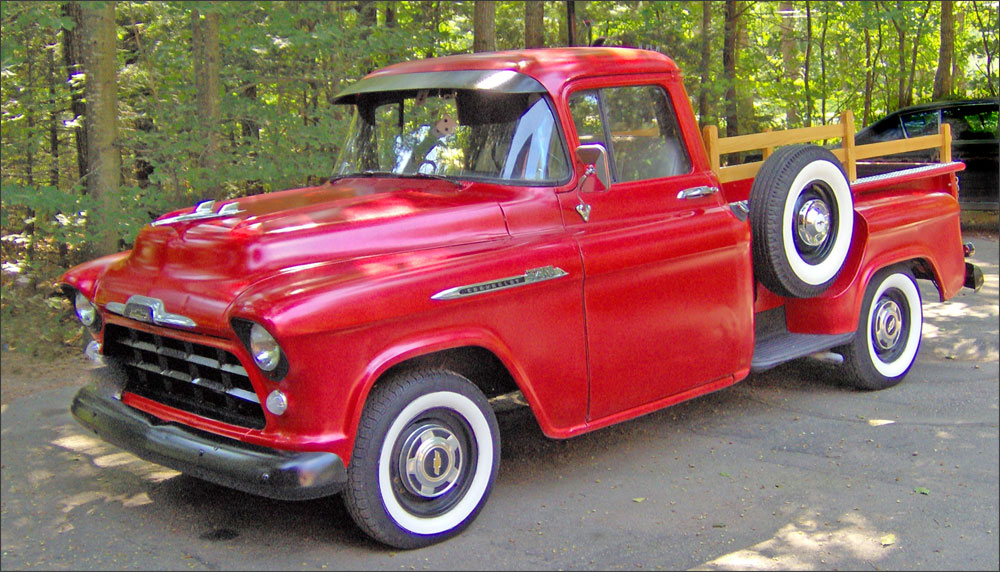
pixel 667 280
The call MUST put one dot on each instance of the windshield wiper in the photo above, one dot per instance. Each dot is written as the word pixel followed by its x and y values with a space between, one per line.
pixel 390 174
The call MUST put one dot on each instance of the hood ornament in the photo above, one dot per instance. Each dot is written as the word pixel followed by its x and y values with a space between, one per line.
pixel 204 210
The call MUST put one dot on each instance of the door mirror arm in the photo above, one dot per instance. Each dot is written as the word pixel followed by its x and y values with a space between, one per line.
pixel 595 157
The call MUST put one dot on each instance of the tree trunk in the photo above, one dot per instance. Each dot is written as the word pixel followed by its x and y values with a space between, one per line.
pixel 390 15
pixel 367 17
pixel 570 23
pixel 484 38
pixel 870 59
pixel 103 157
pixel 73 59
pixel 789 58
pixel 534 24
pixel 250 127
pixel 942 79
pixel 730 31
pixel 53 121
pixel 433 24
pixel 367 21
pixel 805 66
pixel 983 19
pixel 822 65
pixel 901 55
pixel 958 64
pixel 30 106
pixel 706 59
pixel 205 44
pixel 132 45
pixel 913 57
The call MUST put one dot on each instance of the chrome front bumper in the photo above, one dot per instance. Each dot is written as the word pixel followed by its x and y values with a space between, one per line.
pixel 272 473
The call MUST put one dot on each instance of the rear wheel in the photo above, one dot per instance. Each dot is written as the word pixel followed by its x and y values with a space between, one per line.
pixel 425 459
pixel 888 336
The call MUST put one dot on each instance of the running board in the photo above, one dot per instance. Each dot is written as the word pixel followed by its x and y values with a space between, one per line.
pixel 779 348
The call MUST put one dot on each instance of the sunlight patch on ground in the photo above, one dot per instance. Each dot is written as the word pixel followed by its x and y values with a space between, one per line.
pixel 105 456
pixel 948 333
pixel 805 545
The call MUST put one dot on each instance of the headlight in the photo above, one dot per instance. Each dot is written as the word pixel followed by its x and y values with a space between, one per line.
pixel 264 348
pixel 85 310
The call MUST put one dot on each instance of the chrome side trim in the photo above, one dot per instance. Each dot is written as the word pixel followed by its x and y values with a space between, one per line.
pixel 204 210
pixel 894 174
pixel 529 277
pixel 149 310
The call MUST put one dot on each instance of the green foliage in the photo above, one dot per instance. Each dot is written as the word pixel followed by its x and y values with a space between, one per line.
pixel 36 321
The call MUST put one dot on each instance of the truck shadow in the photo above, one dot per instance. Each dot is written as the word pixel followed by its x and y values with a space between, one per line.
pixel 201 512
pixel 230 518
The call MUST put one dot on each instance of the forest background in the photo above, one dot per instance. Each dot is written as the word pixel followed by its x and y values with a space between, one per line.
pixel 116 112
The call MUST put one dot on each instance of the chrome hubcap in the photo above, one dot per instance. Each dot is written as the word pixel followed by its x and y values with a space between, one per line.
pixel 887 324
pixel 430 461
pixel 813 222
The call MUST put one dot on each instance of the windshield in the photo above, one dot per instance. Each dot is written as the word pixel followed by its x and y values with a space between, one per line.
pixel 456 133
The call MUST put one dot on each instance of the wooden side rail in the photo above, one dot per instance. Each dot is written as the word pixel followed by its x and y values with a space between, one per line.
pixel 849 154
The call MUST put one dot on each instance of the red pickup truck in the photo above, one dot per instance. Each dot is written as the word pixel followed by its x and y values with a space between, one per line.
pixel 549 222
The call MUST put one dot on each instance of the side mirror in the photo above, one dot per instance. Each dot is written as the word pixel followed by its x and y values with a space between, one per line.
pixel 596 155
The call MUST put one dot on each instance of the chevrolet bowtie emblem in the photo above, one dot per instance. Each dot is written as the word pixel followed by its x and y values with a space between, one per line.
pixel 437 463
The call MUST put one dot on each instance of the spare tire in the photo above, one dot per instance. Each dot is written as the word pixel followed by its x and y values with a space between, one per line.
pixel 801 219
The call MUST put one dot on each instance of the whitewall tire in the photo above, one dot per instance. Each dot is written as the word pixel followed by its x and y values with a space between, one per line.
pixel 802 219
pixel 425 459
pixel 889 328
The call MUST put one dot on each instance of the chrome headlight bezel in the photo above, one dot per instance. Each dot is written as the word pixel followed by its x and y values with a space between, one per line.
pixel 86 311
pixel 264 349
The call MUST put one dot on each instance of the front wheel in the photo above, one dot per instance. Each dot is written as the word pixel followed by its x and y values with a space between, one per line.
pixel 888 335
pixel 425 459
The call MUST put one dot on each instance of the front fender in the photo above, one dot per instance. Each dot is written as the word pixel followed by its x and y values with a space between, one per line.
pixel 343 325
pixel 85 277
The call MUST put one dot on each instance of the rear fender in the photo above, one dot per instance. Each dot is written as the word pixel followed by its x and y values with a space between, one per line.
pixel 923 231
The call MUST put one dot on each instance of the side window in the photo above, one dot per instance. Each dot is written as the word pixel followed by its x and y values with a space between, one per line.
pixel 923 123
pixel 644 134
pixel 645 141
pixel 885 130
pixel 972 123
pixel 585 107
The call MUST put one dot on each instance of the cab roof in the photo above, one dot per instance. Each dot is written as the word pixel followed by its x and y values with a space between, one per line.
pixel 550 67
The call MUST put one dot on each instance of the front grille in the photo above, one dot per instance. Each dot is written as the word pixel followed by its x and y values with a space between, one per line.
pixel 200 379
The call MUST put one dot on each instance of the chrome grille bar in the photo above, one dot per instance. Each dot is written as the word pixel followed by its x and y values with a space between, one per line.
pixel 199 381
pixel 205 380
pixel 190 357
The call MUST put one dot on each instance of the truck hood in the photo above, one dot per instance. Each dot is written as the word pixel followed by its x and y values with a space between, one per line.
pixel 198 262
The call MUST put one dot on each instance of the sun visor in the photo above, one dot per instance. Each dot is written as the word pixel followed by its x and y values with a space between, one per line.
pixel 504 81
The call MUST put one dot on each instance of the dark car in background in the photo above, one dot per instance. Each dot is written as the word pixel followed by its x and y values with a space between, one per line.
pixel 974 141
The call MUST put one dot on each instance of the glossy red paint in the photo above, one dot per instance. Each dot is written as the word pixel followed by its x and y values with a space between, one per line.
pixel 554 68
pixel 896 223
pixel 656 306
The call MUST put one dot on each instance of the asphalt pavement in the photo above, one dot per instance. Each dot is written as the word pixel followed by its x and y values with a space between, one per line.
pixel 785 470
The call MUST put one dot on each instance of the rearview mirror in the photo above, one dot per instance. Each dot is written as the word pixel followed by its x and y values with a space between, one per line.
pixel 596 155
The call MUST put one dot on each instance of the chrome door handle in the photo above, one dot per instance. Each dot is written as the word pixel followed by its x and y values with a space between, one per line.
pixel 697 192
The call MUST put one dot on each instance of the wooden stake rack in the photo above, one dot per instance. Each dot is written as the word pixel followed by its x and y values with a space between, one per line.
pixel 849 154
